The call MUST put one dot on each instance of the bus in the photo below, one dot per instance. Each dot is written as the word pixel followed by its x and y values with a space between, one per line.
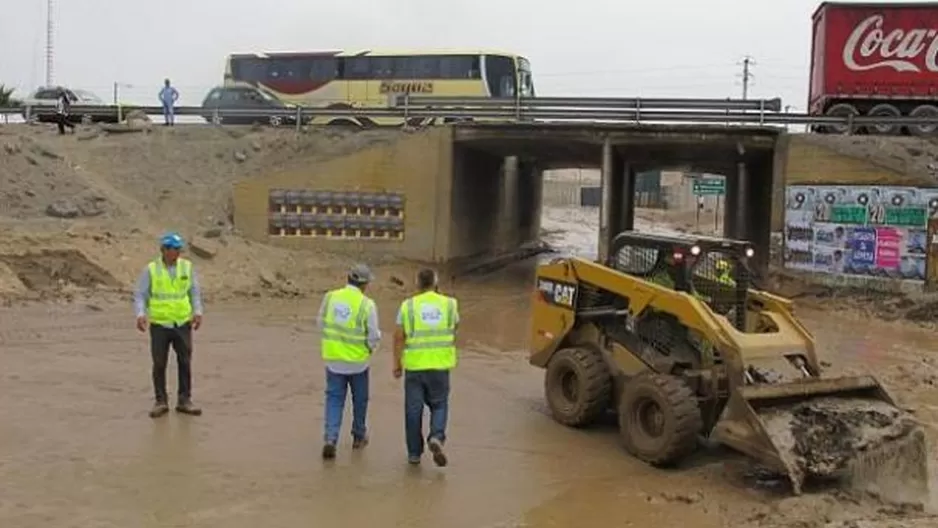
pixel 373 79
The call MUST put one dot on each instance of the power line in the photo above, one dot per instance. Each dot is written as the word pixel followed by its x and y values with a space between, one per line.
pixel 747 75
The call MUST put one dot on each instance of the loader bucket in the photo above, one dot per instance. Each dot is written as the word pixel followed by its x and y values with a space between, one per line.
pixel 847 429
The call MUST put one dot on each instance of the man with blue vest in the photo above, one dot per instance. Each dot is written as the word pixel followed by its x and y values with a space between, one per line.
pixel 424 353
pixel 348 320
pixel 168 303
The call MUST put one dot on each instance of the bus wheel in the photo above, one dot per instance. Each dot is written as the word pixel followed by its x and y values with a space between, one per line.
pixel 344 123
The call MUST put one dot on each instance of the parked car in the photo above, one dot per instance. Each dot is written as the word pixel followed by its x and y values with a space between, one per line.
pixel 41 105
pixel 244 96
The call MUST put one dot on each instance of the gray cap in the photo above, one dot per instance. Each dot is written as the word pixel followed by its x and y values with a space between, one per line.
pixel 360 273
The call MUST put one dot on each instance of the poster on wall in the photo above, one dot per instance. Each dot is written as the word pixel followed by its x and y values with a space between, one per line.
pixel 872 231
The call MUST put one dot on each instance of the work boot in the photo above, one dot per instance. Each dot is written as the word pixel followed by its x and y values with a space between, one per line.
pixel 159 409
pixel 186 407
pixel 414 460
pixel 328 451
pixel 359 443
pixel 436 447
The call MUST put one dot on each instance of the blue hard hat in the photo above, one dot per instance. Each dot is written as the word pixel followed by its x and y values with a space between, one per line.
pixel 171 241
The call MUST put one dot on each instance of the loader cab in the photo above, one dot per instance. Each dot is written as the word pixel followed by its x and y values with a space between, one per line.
pixel 714 270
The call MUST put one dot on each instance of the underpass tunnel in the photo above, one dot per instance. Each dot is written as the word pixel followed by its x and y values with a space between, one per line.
pixel 497 184
pixel 749 185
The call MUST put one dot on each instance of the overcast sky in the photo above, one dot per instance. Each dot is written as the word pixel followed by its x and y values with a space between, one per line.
pixel 683 48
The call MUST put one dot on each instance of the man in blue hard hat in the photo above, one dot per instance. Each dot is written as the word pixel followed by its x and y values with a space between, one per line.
pixel 168 303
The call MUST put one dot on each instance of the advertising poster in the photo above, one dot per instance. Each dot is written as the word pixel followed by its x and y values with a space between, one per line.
pixel 874 231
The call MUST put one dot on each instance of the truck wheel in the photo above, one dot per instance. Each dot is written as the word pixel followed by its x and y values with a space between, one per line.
pixel 659 419
pixel 924 111
pixel 841 110
pixel 884 110
pixel 578 386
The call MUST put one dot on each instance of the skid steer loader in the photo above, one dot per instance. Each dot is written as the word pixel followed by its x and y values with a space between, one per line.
pixel 671 334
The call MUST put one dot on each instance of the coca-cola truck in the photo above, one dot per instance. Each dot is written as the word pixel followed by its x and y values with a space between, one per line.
pixel 875 59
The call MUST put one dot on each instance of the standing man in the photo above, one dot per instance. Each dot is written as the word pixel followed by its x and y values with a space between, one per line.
pixel 168 97
pixel 63 107
pixel 424 353
pixel 348 320
pixel 168 301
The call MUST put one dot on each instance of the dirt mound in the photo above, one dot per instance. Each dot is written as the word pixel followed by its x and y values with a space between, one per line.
pixel 104 193
pixel 913 157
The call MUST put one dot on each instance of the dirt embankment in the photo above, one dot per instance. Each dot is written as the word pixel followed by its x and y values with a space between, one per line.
pixel 83 211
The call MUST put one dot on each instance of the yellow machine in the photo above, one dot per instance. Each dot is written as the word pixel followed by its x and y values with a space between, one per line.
pixel 671 335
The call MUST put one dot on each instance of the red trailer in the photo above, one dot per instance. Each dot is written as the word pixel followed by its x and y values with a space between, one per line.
pixel 875 59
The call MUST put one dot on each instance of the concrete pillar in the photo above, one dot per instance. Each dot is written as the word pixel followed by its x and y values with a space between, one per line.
pixel 742 208
pixel 606 200
pixel 531 191
pixel 627 209
pixel 508 222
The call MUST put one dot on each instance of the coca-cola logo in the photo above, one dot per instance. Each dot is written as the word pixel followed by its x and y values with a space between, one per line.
pixel 870 47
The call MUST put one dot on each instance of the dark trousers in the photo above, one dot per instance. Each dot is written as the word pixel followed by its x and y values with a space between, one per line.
pixel 180 338
pixel 425 388
pixel 62 121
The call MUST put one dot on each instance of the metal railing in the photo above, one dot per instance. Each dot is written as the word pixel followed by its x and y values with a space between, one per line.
pixel 533 110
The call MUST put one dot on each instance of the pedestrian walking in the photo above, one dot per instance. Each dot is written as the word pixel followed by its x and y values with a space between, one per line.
pixel 348 320
pixel 425 353
pixel 168 302
pixel 63 107
pixel 168 97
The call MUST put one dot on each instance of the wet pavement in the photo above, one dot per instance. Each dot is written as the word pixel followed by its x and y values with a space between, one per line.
pixel 77 447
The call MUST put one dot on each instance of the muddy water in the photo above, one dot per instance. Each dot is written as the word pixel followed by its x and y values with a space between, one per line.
pixel 77 449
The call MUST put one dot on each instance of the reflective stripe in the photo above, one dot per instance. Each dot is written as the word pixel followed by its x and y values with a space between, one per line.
pixel 169 302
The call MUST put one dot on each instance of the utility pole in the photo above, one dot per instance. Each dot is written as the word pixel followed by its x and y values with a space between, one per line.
pixel 747 75
pixel 50 54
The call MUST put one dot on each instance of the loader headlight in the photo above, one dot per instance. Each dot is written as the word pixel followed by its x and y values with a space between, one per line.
pixel 750 252
pixel 695 250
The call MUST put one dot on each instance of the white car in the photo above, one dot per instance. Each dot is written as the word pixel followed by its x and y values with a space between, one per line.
pixel 45 97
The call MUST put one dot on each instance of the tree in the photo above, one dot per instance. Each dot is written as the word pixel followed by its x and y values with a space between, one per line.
pixel 6 96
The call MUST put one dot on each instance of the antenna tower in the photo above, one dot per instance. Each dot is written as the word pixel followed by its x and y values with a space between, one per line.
pixel 50 52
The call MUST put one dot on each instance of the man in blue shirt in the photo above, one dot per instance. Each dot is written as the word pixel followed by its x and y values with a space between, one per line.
pixel 168 97
pixel 168 303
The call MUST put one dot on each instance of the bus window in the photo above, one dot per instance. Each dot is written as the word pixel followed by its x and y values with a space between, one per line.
pixel 500 73
pixel 358 68
pixel 459 67
pixel 527 82
pixel 249 69
pixel 323 68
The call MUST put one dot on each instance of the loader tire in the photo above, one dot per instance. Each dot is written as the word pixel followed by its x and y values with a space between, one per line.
pixel 578 386
pixel 659 419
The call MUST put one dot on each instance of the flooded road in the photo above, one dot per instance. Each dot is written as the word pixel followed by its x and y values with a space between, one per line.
pixel 77 447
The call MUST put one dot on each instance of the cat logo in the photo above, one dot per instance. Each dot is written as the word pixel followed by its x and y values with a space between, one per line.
pixel 415 87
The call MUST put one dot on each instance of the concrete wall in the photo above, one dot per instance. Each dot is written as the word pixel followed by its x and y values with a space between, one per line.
pixel 418 165
pixel 496 203
pixel 799 161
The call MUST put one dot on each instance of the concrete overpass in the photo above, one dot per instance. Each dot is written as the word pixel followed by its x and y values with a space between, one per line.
pixel 473 189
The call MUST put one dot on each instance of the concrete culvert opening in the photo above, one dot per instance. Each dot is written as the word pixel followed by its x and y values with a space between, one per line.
pixel 53 270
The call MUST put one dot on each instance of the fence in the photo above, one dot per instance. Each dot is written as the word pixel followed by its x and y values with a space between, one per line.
pixel 428 110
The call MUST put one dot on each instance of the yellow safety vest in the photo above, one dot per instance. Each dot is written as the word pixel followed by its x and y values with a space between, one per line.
pixel 169 303
pixel 429 321
pixel 344 329
pixel 726 278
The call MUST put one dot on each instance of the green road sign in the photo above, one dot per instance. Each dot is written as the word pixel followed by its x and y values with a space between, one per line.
pixel 709 187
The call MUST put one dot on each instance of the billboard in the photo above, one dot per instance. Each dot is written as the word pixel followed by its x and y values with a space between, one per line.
pixel 870 231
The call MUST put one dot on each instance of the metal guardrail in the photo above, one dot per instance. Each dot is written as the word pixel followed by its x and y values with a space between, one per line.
pixel 547 109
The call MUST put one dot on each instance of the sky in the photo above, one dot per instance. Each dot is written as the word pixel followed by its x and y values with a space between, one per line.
pixel 615 48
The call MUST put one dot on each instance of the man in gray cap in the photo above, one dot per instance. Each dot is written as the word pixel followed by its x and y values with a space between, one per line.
pixel 348 320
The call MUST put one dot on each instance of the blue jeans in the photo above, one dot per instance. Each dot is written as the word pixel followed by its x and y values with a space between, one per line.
pixel 336 388
pixel 169 113
pixel 430 388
